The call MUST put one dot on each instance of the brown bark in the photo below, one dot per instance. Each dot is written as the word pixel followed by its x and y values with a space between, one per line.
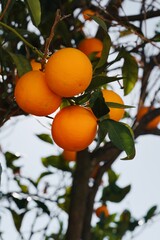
pixel 109 153
pixel 79 196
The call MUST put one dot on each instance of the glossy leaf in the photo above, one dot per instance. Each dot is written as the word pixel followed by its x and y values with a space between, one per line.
pixel 120 135
pixel 100 80
pixel 100 22
pixel 98 105
pixel 102 132
pixel 105 52
pixel 129 72
pixel 45 137
pixel 57 162
pixel 22 64
pixel 79 100
pixel 35 11
pixel 118 105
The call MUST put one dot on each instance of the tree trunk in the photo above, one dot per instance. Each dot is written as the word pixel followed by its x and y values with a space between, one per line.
pixel 79 196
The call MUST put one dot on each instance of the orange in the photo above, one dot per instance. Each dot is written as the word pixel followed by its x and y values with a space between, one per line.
pixel 33 95
pixel 143 111
pixel 111 96
pixel 102 210
pixel 68 72
pixel 35 65
pixel 88 12
pixel 74 128
pixel 69 155
pixel 91 45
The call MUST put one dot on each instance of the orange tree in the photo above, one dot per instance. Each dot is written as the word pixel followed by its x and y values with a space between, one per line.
pixel 126 64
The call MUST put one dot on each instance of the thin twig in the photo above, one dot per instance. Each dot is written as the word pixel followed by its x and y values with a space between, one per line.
pixel 49 39
pixel 58 18
pixel 5 9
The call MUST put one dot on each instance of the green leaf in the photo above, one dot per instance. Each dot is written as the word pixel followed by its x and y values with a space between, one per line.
pixel 105 52
pixel 45 137
pixel 151 213
pixel 79 100
pixel 102 132
pixel 34 8
pixel 56 162
pixel 42 175
pixel 112 176
pixel 64 200
pixel 22 64
pixel 100 80
pixel 42 206
pixel 156 38
pixel 10 158
pixel 98 105
pixel 63 31
pixel 17 218
pixel 121 136
pixel 100 22
pixel 129 72
pixel 118 105
pixel 20 202
pixel 23 187
pixel 114 193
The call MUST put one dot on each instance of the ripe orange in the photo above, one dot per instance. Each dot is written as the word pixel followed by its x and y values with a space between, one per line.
pixel 88 12
pixel 35 65
pixel 69 155
pixel 74 128
pixel 102 210
pixel 91 45
pixel 111 96
pixel 33 95
pixel 143 111
pixel 68 72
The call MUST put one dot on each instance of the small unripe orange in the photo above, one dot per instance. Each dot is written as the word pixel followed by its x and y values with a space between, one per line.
pixel 102 210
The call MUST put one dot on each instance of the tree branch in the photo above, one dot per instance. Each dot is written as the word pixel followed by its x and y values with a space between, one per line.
pixel 140 128
pixel 108 154
pixel 140 17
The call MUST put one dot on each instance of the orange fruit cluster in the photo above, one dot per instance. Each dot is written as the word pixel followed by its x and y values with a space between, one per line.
pixel 67 73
